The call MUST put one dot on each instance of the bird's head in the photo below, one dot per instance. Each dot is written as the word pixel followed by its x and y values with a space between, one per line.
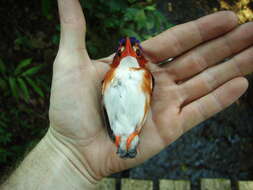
pixel 129 48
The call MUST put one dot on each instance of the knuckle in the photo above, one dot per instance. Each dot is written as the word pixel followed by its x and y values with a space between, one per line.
pixel 200 61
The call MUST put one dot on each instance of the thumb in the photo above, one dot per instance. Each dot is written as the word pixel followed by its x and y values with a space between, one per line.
pixel 73 26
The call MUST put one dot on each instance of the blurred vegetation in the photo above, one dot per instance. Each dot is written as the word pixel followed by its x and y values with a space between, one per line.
pixel 243 9
pixel 25 81
pixel 112 20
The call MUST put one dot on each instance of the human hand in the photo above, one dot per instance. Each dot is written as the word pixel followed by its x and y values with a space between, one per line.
pixel 188 90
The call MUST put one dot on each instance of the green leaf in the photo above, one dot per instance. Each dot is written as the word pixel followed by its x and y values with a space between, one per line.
pixel 44 84
pixel 20 40
pixel 2 66
pixel 116 5
pixel 141 19
pixel 58 27
pixel 24 41
pixel 140 15
pixel 32 71
pixel 56 39
pixel 150 8
pixel 35 87
pixel 13 85
pixel 24 88
pixel 3 124
pixel 3 84
pixel 130 14
pixel 46 8
pixel 150 24
pixel 22 64
pixel 111 22
pixel 6 138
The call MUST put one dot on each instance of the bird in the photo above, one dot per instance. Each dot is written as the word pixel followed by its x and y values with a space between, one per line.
pixel 126 96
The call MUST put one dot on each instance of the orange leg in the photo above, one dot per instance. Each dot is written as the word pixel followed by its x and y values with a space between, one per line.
pixel 130 138
pixel 117 140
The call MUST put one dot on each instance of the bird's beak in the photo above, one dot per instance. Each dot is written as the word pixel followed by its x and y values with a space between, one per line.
pixel 128 51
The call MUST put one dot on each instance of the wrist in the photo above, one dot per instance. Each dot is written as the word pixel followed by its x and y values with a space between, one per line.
pixel 68 162
pixel 51 166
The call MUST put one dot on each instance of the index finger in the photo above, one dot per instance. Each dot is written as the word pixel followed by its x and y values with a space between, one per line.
pixel 181 38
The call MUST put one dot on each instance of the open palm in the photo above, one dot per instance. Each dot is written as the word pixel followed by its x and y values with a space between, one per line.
pixel 188 90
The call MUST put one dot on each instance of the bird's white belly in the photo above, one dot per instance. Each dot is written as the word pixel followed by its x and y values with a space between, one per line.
pixel 125 101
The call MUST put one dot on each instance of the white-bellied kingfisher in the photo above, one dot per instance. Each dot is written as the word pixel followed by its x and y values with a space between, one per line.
pixel 126 96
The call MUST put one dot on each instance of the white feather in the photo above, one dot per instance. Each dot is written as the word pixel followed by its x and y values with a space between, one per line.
pixel 124 99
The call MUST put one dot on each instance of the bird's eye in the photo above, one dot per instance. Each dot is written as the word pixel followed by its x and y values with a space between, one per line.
pixel 120 50
pixel 119 53
pixel 138 52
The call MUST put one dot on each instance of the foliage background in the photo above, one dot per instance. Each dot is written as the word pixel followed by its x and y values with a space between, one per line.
pixel 29 37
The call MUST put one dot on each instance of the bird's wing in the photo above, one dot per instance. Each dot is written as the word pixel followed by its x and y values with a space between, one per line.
pixel 105 83
pixel 151 83
pixel 107 122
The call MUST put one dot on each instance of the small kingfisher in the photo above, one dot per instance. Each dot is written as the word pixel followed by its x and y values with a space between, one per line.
pixel 126 96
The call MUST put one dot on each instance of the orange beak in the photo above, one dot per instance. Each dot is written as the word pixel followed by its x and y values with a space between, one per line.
pixel 128 51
